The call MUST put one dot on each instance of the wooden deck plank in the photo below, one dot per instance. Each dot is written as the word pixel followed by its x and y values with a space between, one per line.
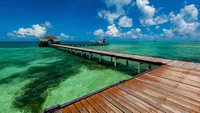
pixel 94 105
pixel 173 83
pixel 193 92
pixel 102 104
pixel 115 91
pixel 189 75
pixel 175 90
pixel 88 106
pixel 81 108
pixel 195 73
pixel 114 108
pixel 143 98
pixel 139 102
pixel 66 110
pixel 179 69
pixel 115 101
pixel 158 102
pixel 173 94
pixel 73 109
pixel 188 80
pixel 174 101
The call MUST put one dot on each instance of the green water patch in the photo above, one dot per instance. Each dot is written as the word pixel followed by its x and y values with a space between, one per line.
pixel 49 77
pixel 9 92
pixel 34 93
pixel 83 83
pixel 8 73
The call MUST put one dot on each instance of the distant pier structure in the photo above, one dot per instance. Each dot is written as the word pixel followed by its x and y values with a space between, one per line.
pixel 47 40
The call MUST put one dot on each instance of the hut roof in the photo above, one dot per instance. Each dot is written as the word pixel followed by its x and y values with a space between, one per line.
pixel 47 38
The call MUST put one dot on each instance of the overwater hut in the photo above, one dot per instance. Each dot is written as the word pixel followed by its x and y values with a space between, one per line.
pixel 45 41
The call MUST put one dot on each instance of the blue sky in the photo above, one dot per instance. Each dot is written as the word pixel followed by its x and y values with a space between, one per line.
pixel 74 20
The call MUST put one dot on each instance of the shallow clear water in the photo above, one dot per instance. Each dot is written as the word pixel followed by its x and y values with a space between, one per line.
pixel 33 78
pixel 188 51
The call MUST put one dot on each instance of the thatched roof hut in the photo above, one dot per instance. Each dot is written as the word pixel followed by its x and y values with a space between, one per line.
pixel 45 41
pixel 49 38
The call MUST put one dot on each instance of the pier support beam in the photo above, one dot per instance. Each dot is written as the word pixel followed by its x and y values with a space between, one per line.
pixel 85 53
pixel 126 62
pixel 115 63
pixel 81 53
pixel 90 55
pixel 149 66
pixel 139 65
pixel 111 59
pixel 100 58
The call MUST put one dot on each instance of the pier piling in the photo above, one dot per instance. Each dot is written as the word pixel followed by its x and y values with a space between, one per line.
pixel 100 58
pixel 149 66
pixel 115 63
pixel 139 64
pixel 126 62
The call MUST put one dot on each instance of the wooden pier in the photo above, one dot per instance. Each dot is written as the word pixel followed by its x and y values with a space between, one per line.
pixel 173 87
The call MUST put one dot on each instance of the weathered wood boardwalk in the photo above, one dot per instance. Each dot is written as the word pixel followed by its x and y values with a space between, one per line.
pixel 173 87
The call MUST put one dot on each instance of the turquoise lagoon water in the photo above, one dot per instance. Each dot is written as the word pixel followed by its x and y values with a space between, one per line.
pixel 33 78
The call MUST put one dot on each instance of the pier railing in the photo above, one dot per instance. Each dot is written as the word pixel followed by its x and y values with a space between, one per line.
pixel 114 56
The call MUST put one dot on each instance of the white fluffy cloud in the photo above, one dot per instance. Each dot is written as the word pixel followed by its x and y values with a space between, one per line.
pixel 185 22
pixel 35 31
pixel 133 33
pixel 99 33
pixel 148 14
pixel 125 22
pixel 47 24
pixel 110 16
pixel 64 36
pixel 112 31
pixel 118 11
pixel 168 33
